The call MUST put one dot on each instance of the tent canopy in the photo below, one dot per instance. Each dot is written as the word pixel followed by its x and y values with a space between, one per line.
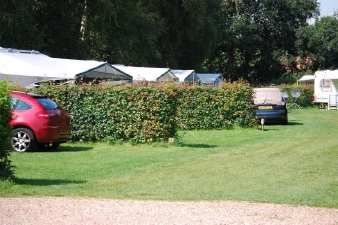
pixel 25 68
pixel 189 76
pixel 149 74
pixel 307 79
pixel 210 78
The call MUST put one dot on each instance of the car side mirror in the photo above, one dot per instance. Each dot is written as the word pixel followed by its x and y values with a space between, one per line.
pixel 285 96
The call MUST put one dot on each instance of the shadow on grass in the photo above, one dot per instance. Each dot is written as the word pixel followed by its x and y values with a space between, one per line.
pixel 198 145
pixel 73 149
pixel 47 182
pixel 272 126
pixel 266 129
pixel 293 123
pixel 65 149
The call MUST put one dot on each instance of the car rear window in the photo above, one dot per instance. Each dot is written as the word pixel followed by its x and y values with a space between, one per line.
pixel 47 103
pixel 268 96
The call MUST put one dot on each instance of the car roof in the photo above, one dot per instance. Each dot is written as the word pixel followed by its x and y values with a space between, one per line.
pixel 268 96
pixel 21 93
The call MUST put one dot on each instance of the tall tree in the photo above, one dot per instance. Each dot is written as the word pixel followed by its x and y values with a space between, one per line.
pixel 59 23
pixel 122 31
pixel 190 31
pixel 255 33
pixel 18 25
pixel 320 42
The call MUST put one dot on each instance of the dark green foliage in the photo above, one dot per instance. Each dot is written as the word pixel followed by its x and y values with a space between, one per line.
pixel 123 32
pixel 6 170
pixel 239 38
pixel 319 42
pixel 146 114
pixel 59 24
pixel 143 33
pixel 216 108
pixel 129 113
pixel 154 113
pixel 253 34
pixel 18 26
pixel 191 30
pixel 306 93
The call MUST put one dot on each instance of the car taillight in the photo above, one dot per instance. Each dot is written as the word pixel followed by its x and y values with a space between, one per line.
pixel 43 115
pixel 313 98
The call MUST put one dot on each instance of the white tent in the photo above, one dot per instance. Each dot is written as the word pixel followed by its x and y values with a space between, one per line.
pixel 188 76
pixel 210 78
pixel 149 74
pixel 306 79
pixel 28 67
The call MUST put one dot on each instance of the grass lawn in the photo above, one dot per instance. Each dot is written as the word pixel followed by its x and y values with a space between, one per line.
pixel 294 164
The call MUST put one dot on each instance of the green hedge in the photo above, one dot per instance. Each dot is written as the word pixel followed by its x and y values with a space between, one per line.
pixel 153 113
pixel 216 108
pixel 306 93
pixel 6 170
pixel 128 113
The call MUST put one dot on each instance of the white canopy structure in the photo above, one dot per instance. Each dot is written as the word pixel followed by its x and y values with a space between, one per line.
pixel 210 78
pixel 306 79
pixel 26 68
pixel 188 76
pixel 149 74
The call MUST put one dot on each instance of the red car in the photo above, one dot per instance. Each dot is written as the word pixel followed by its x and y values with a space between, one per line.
pixel 38 122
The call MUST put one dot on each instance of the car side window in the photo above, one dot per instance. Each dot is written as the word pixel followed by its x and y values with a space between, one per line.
pixel 17 104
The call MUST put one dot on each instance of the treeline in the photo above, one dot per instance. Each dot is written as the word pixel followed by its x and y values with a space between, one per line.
pixel 258 40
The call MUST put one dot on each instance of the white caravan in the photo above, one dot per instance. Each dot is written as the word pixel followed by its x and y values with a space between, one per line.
pixel 325 89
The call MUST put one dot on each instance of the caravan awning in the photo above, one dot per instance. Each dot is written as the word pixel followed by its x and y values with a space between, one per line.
pixel 91 69
pixel 186 75
pixel 27 68
pixel 150 74
pixel 210 78
pixel 307 79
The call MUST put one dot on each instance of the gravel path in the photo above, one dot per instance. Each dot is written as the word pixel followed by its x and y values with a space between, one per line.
pixel 52 210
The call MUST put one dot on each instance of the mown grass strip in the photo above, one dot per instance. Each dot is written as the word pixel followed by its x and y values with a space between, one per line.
pixel 294 164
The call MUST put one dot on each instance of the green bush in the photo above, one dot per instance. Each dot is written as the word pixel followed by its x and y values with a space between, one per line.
pixel 306 93
pixel 152 113
pixel 128 113
pixel 6 170
pixel 216 108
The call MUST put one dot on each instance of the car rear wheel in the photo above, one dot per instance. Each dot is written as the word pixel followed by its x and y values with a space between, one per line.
pixel 23 140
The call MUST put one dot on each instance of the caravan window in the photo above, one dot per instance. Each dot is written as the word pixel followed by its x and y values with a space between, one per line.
pixel 325 84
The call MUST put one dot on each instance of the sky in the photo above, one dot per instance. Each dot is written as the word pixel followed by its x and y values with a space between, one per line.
pixel 327 7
